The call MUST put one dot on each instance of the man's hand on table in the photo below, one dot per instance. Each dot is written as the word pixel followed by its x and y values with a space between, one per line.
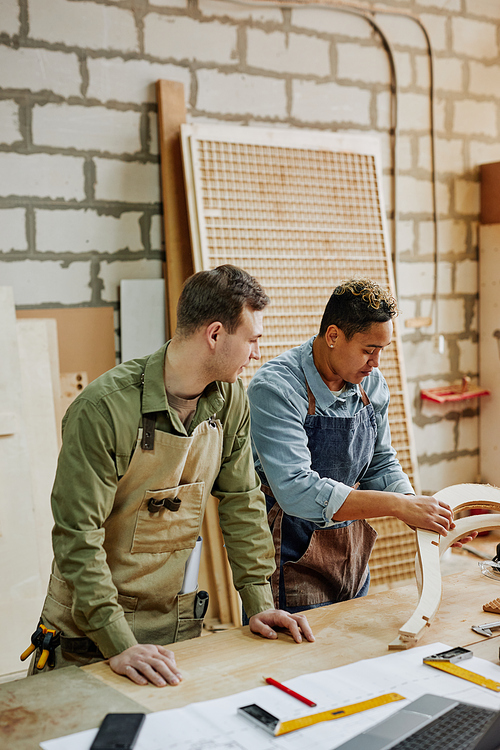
pixel 146 663
pixel 297 624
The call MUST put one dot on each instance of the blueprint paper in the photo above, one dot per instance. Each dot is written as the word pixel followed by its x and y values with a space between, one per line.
pixel 215 725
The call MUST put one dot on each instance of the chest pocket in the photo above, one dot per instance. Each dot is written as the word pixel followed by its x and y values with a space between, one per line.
pixel 169 520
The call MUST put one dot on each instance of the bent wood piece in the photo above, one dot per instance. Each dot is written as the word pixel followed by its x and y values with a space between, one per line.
pixel 430 547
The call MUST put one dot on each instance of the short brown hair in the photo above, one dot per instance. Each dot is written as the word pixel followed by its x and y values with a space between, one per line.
pixel 219 294
pixel 355 304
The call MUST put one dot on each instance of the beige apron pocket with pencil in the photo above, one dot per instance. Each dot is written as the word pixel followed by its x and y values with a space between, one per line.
pixel 169 520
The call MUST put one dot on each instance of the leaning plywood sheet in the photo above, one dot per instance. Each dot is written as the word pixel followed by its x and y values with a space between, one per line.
pixel 85 336
pixel 41 429
pixel 301 211
pixel 21 588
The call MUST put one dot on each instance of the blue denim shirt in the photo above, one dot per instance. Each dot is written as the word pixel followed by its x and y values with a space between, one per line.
pixel 278 408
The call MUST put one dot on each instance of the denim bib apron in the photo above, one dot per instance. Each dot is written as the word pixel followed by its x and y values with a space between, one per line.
pixel 317 566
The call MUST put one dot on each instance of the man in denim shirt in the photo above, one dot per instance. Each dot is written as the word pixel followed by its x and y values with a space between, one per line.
pixel 322 448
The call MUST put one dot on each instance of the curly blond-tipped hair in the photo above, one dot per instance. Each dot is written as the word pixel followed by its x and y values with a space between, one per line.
pixel 355 305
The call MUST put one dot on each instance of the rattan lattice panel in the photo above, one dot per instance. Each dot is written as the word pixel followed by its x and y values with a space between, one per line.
pixel 301 211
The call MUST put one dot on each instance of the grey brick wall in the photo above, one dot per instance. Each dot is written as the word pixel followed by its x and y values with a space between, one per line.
pixel 80 203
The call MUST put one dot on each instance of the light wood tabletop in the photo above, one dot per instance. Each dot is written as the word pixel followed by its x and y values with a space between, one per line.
pixel 236 660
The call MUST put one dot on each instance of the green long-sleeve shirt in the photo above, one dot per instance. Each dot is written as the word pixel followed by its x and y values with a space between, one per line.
pixel 99 437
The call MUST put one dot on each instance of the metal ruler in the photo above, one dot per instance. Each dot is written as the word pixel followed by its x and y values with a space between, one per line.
pixel 306 721
pixel 465 674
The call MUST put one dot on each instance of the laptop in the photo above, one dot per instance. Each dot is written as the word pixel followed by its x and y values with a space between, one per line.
pixel 432 723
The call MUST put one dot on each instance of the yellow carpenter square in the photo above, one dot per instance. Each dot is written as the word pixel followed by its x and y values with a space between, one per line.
pixel 337 713
pixel 465 674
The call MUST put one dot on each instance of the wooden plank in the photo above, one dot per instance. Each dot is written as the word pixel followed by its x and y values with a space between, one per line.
pixel 490 193
pixel 86 337
pixel 21 588
pixel 179 264
pixel 142 317
pixel 41 429
pixel 489 353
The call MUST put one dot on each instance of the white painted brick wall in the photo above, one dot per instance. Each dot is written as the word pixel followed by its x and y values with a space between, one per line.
pixel 436 26
pixel 435 477
pixel 156 233
pixel 364 64
pixel 9 122
pixel 127 181
pixel 327 102
pixel 422 358
pixel 40 70
pixel 84 231
pixel 467 277
pixel 484 79
pixel 154 145
pixel 435 438
pixel 133 81
pixel 475 118
pixel 450 155
pixel 41 175
pixel 442 4
pixel 211 8
pixel 12 230
pixel 452 236
pixel 424 152
pixel 440 116
pixel 406 235
pixel 443 194
pixel 83 24
pixel 415 195
pixel 9 17
pixel 401 31
pixel 186 39
pixel 405 153
pixel 478 39
pixel 468 433
pixel 467 357
pixel 483 153
pixel 294 53
pixel 486 8
pixel 46 282
pixel 383 110
pixel 240 94
pixel 329 21
pixel 169 3
pixel 112 273
pixel 418 278
pixel 467 197
pixel 86 128
pixel 414 112
pixel 448 74
pixel 404 69
pixel 451 315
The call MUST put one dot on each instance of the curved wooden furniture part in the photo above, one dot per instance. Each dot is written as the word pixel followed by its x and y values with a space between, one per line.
pixel 430 547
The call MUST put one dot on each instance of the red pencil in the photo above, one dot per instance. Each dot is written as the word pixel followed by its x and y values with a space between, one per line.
pixel 277 684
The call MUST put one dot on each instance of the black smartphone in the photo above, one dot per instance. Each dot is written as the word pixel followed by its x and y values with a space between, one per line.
pixel 118 732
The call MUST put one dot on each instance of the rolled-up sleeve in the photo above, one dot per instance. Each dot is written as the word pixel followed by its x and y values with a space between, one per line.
pixel 280 442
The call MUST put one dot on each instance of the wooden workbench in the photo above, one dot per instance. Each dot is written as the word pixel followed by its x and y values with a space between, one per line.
pixel 236 660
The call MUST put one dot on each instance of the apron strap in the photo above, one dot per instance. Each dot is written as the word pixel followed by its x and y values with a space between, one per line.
pixel 312 401
pixel 364 397
pixel 148 431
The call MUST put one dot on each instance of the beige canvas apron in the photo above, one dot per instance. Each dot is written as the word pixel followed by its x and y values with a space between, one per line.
pixel 147 550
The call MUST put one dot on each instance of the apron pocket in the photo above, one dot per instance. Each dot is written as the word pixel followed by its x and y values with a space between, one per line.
pixel 333 566
pixel 169 520
pixel 187 626
pixel 129 605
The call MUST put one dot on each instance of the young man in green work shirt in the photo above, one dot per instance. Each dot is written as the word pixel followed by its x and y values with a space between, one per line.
pixel 144 446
